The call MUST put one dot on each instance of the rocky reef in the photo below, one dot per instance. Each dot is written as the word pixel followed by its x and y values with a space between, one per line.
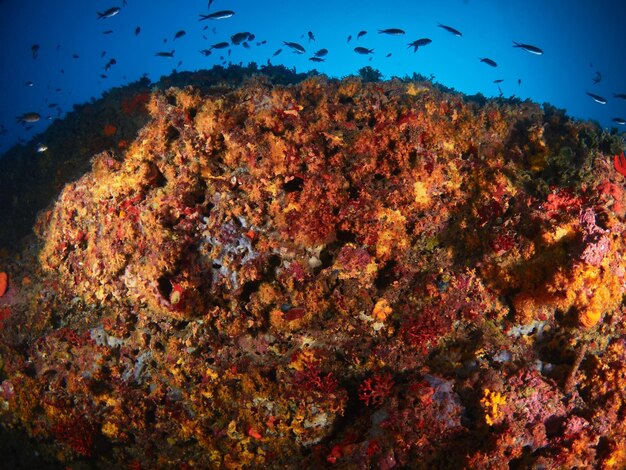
pixel 326 274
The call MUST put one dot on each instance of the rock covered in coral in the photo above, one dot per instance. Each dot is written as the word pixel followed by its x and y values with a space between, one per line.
pixel 329 273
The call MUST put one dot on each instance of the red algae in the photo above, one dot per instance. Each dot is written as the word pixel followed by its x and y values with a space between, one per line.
pixel 329 273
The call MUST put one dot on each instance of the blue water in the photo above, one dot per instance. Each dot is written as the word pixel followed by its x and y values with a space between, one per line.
pixel 580 40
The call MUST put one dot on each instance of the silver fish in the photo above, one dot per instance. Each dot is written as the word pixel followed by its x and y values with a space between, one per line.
pixel 218 15
pixel 596 98
pixel 295 46
pixel 111 12
pixel 619 121
pixel 528 48
pixel 41 148
pixel 457 33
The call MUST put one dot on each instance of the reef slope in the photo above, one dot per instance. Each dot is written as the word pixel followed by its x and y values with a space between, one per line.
pixel 350 273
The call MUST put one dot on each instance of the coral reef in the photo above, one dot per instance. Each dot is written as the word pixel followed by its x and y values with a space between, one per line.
pixel 333 273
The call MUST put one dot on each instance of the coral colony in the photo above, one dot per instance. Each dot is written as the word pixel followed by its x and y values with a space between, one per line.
pixel 326 274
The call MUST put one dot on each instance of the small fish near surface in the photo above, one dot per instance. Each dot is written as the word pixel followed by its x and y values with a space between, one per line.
pixel 311 36
pixel 363 50
pixel 528 48
pixel 137 30
pixel 297 48
pixel 205 52
pixel 420 42
pixel 109 64
pixel 179 34
pixel 278 51
pixel 29 118
pixel 456 32
pixel 35 50
pixel 621 96
pixel 218 15
pixel 488 61
pixel 321 53
pixel 596 98
pixel 110 13
pixel 618 120
pixel 220 45
pixel 165 54
pixel 316 59
pixel 238 38
pixel 391 31
pixel 361 34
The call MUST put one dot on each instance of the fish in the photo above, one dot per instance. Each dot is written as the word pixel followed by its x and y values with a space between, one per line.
pixel 499 80
pixel 596 98
pixel 179 34
pixel 621 96
pixel 205 52
pixel 220 45
pixel 528 48
pixel 316 59
pixel 102 54
pixel 361 34
pixel 450 29
pixel 363 50
pixel 260 43
pixel 620 121
pixel 295 46
pixel 29 83
pixel 30 118
pixel 391 31
pixel 278 51
pixel 349 38
pixel 388 55
pixel 103 76
pixel 110 13
pixel 165 54
pixel 419 42
pixel 41 148
pixel 137 30
pixel 35 50
pixel 488 61
pixel 109 64
pixel 238 38
pixel 218 15
pixel 597 79
pixel 108 31
pixel 53 105
pixel 321 53
pixel 311 36
pixel 75 56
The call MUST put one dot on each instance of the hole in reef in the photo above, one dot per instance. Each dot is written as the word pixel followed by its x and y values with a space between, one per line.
pixel 344 236
pixel 248 289
pixel 171 134
pixel 295 184
pixel 171 99
pixel 385 275
pixel 165 287
pixel 192 112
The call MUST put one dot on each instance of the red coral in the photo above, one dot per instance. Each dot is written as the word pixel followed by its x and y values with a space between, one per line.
pixel 375 389
pixel 77 433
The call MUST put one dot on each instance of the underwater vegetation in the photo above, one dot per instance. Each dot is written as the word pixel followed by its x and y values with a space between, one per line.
pixel 325 274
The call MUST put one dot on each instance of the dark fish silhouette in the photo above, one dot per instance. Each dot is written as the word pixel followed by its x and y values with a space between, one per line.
pixel 499 80
pixel 363 50
pixel 316 59
pixel 102 54
pixel 179 34
pixel 321 53
pixel 137 30
pixel 361 34
pixel 278 51
pixel 109 64
pixel 220 45
pixel 238 38
pixel 349 38
pixel 388 55
pixel 391 31
pixel 295 47
pixel 488 61
pixel 456 32
pixel 35 50
pixel 419 42
pixel 596 98
pixel 108 31
pixel 621 96
pixel 311 36
pixel 111 12
pixel 528 48
pixel 205 52
pixel 218 15
pixel 165 54
pixel 597 79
